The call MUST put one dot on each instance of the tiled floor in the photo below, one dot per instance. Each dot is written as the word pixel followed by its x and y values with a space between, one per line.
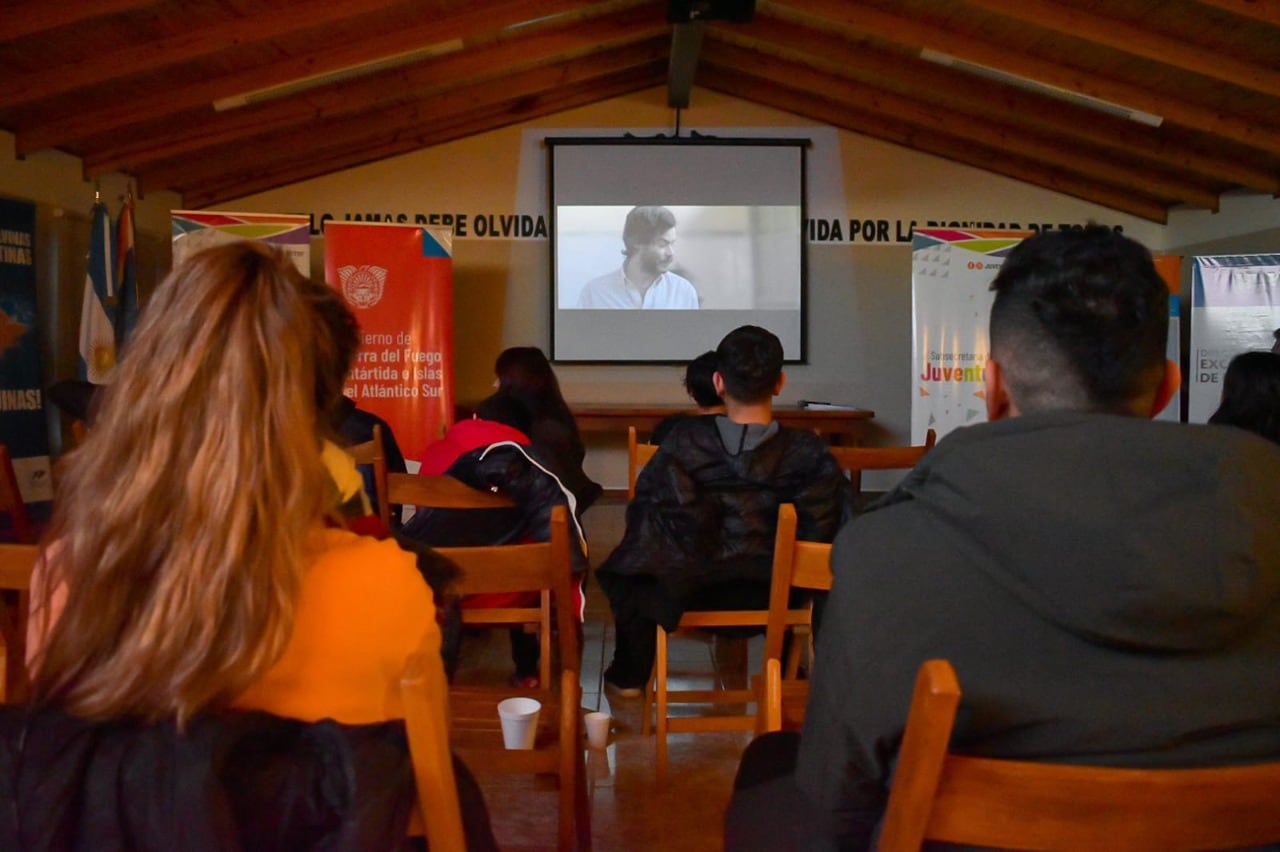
pixel 628 811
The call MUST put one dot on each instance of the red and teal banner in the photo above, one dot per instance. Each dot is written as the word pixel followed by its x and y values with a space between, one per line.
pixel 398 279
pixel 22 418
pixel 193 230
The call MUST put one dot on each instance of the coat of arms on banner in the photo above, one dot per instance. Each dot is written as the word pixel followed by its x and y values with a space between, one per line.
pixel 362 285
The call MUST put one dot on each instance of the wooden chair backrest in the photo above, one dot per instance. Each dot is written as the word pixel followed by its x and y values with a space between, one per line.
pixel 441 492
pixel 854 460
pixel 425 693
pixel 17 561
pixel 371 452
pixel 638 456
pixel 1017 804
pixel 11 499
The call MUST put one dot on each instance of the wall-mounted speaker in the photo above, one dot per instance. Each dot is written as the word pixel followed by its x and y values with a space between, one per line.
pixel 686 11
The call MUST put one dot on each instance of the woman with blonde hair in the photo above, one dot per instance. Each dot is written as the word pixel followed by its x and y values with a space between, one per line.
pixel 194 563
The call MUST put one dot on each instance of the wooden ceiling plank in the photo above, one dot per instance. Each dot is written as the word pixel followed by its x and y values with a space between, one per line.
pixel 239 185
pixel 438 75
pixel 1138 41
pixel 857 18
pixel 979 127
pixel 40 17
pixel 956 149
pixel 830 53
pixel 473 20
pixel 1267 11
pixel 101 66
pixel 359 130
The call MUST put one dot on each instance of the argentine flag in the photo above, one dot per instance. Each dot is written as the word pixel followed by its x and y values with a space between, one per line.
pixel 97 330
pixel 126 275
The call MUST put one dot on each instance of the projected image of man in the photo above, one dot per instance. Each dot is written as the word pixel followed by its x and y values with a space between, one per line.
pixel 645 279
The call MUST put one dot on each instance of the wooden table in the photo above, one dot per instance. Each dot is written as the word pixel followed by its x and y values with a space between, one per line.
pixel 840 426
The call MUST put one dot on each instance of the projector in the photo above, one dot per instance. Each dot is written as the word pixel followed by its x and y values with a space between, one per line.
pixel 687 11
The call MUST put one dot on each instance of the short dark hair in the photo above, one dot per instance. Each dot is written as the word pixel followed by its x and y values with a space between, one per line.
pixel 1080 321
pixel 1251 394
pixel 749 360
pixel 644 225
pixel 698 380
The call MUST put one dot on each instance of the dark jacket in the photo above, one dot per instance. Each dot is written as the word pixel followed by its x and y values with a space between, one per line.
pixel 706 508
pixel 1107 588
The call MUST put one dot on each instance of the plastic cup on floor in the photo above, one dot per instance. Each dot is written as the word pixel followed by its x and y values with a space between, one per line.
pixel 598 729
pixel 519 722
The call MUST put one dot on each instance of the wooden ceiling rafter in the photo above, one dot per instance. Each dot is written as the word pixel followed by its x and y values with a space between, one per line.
pixel 1266 11
pixel 855 18
pixel 363 129
pixel 473 21
pixel 503 58
pixel 829 52
pixel 514 111
pixel 983 130
pixel 1097 27
pixel 958 150
pixel 35 18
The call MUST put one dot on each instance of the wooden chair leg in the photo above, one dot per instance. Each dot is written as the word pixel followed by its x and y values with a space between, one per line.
pixel 660 714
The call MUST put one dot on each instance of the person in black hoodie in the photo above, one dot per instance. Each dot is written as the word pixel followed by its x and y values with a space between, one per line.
pixel 1107 587
pixel 701 527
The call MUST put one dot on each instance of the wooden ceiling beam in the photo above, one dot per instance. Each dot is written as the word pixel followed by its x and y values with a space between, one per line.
pixel 856 18
pixel 365 129
pixel 830 53
pixel 32 18
pixel 234 185
pixel 101 66
pixel 1095 26
pixel 927 140
pixel 500 59
pixel 470 21
pixel 978 126
pixel 1267 11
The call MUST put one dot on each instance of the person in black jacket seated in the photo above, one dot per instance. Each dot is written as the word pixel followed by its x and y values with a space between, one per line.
pixel 701 527
pixel 699 383
pixel 524 373
pixel 1251 394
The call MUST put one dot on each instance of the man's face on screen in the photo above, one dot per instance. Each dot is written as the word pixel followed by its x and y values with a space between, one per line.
pixel 657 256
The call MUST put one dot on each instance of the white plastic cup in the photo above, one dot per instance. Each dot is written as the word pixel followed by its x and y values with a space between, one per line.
pixel 519 721
pixel 598 729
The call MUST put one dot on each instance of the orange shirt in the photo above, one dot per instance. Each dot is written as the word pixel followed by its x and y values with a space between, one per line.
pixel 363 610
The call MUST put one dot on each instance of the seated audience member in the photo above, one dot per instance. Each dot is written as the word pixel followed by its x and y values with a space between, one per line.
pixel 1251 394
pixel 1106 586
pixel 492 450
pixel 1275 347
pixel 699 383
pixel 191 576
pixel 524 373
pixel 355 425
pixel 700 530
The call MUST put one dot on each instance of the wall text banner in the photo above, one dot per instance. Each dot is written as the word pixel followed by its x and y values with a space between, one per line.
pixel 192 230
pixel 398 279
pixel 951 273
pixel 1235 307
pixel 23 427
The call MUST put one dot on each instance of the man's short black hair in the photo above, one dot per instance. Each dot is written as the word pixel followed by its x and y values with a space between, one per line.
pixel 644 225
pixel 749 359
pixel 698 380
pixel 1080 321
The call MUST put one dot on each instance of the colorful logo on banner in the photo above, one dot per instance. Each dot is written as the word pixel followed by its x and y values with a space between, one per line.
pixel 22 417
pixel 1235 307
pixel 951 273
pixel 398 279
pixel 193 230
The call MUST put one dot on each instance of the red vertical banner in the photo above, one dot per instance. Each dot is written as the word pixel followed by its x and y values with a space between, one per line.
pixel 398 279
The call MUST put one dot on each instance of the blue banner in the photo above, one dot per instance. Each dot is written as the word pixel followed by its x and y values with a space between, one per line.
pixel 22 419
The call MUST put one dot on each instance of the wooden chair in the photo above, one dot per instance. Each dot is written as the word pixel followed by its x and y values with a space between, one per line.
pixel 476 731
pixel 17 561
pixel 11 500
pixel 371 453
pixel 426 719
pixel 854 460
pixel 941 796
pixel 638 456
pixel 796 565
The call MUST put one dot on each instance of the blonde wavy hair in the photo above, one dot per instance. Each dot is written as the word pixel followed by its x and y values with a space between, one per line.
pixel 183 524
